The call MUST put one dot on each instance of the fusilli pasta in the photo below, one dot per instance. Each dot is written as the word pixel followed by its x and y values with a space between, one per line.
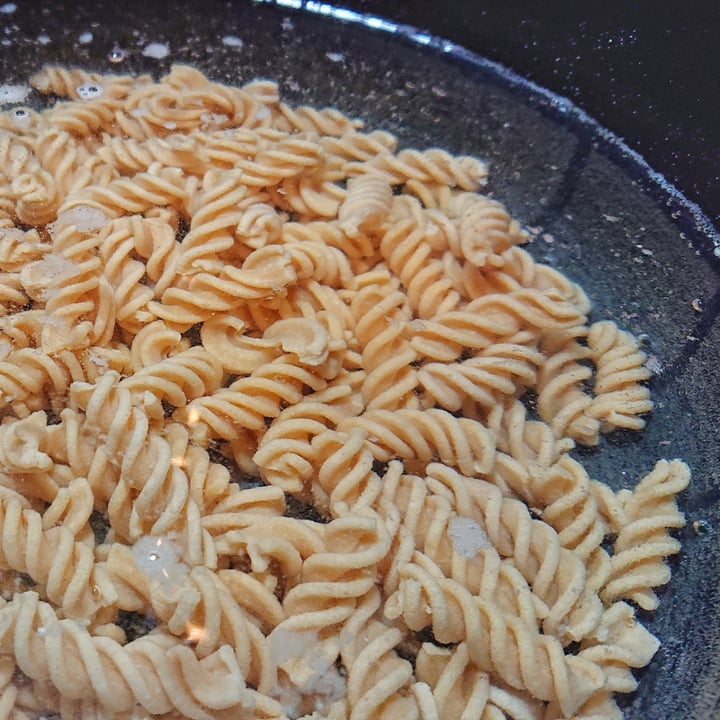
pixel 268 447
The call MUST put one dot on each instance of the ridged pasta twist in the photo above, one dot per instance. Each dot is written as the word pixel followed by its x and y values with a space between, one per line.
pixel 179 379
pixel 293 155
pixel 63 82
pixel 310 195
pixel 248 402
pixel 484 320
pixel 266 272
pixel 166 187
pixel 224 337
pixel 499 371
pixel 638 564
pixel 157 672
pixel 219 207
pixel 449 685
pixel 454 544
pixel 285 454
pixel 556 576
pixel 132 468
pixel 485 229
pixel 432 165
pixel 618 644
pixel 131 156
pixel 406 248
pixel 379 681
pixel 496 642
pixel 422 435
pixel 387 356
pixel 34 380
pixel 332 583
pixel 357 146
pixel 62 566
pixel 619 398
pixel 366 204
pixel 36 197
pixel 70 164
pixel 327 121
pixel 77 301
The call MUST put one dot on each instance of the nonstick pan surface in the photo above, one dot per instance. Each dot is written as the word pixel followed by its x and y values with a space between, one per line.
pixel 646 256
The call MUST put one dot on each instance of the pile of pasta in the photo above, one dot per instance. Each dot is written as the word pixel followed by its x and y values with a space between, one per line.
pixel 287 421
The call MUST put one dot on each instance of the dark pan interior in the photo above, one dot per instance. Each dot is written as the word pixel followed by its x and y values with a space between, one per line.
pixel 644 255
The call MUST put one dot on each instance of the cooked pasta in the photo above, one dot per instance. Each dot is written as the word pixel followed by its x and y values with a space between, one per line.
pixel 266 447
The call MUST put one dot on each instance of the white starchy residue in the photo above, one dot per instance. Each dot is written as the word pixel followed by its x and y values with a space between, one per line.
pixel 85 38
pixel 156 50
pixel 467 536
pixel 232 41
pixel 335 56
pixel 159 558
pixel 13 93
pixel 213 119
pixel 85 218
pixel 8 8
pixel 88 91
pixel 43 39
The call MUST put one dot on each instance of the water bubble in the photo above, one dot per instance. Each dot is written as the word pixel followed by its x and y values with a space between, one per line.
pixel 153 557
pixel 20 117
pixel 702 527
pixel 13 93
pixel 156 50
pixel 88 91
pixel 116 55
pixel 232 41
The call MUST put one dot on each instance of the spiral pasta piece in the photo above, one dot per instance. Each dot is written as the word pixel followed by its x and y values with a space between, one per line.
pixel 408 253
pixel 249 401
pixel 178 379
pixel 425 434
pixel 619 370
pixel 366 205
pixel 61 565
pixel 557 576
pixel 138 194
pixel 644 541
pixel 485 229
pixel 82 666
pixel 387 355
pixel 432 165
pixel 327 121
pixel 503 369
pixel 71 165
pixel 454 688
pixel 490 317
pixel 498 643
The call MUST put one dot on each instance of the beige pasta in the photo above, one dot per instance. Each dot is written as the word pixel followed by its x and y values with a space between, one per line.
pixel 268 447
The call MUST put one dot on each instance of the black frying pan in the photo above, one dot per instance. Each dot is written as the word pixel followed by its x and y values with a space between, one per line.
pixel 639 248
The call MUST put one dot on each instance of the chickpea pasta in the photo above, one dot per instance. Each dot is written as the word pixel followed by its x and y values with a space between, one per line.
pixel 266 447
